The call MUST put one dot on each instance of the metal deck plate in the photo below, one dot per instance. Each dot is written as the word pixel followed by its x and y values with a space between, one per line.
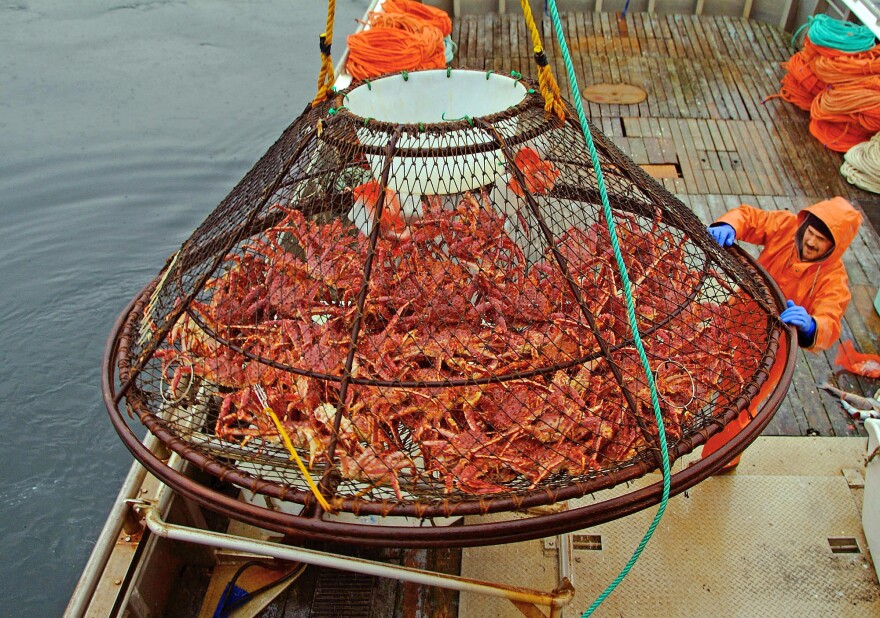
pixel 744 544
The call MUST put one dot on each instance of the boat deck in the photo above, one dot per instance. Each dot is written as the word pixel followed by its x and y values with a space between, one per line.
pixel 707 122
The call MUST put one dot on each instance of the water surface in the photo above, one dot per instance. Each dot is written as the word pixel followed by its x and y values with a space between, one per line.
pixel 122 125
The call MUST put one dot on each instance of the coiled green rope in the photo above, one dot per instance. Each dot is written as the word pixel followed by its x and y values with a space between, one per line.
pixel 630 307
pixel 845 36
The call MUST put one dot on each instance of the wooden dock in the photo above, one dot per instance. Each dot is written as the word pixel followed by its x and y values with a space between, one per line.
pixel 707 117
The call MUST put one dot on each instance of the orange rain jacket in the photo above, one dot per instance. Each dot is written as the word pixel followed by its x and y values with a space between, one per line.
pixel 820 287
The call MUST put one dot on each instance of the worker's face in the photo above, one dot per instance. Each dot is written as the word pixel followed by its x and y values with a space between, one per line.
pixel 815 245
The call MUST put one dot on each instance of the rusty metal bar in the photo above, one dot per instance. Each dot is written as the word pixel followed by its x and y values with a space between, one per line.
pixel 554 599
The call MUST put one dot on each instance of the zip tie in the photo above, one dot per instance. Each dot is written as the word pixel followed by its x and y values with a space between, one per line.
pixel 261 395
pixel 332 111
pixel 448 71
pixel 531 91
pixel 421 127
pixel 516 74
pixel 488 73
pixel 367 119
pixel 405 75
pixel 465 117
pixel 369 85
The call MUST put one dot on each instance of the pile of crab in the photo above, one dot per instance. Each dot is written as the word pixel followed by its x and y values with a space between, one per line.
pixel 439 359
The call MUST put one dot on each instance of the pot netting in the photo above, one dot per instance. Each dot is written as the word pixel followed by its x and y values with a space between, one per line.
pixel 432 314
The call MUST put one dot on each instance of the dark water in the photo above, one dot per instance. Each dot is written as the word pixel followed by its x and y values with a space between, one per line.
pixel 122 125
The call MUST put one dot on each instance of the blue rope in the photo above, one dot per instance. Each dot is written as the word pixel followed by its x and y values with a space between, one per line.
pixel 630 307
pixel 844 36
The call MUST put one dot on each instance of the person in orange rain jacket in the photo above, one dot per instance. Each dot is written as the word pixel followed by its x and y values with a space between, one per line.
pixel 802 252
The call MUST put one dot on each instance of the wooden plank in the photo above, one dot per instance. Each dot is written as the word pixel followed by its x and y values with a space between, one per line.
pixel 474 42
pixel 735 44
pixel 661 100
pixel 697 204
pixel 499 52
pixel 735 99
pixel 736 162
pixel 799 177
pixel 702 48
pixel 759 148
pixel 709 76
pixel 684 148
pixel 730 176
pixel 652 44
pixel 774 161
pixel 674 83
pixel 637 151
pixel 673 138
pixel 753 177
pixel 655 153
pixel 637 34
pixel 803 383
pixel 674 45
pixel 701 155
pixel 727 141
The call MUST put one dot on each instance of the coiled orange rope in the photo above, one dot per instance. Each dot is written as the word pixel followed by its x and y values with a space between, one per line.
pixel 428 14
pixel 378 51
pixel 840 90
pixel 404 36
pixel 844 69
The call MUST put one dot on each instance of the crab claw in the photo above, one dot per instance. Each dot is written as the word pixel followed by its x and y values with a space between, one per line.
pixel 539 175
pixel 392 224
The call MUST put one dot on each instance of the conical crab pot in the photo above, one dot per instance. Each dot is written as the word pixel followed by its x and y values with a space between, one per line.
pixel 410 309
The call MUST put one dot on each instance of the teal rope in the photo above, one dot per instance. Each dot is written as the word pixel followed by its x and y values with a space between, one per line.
pixel 630 307
pixel 844 36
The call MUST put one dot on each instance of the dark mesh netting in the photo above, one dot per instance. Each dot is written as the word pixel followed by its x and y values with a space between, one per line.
pixel 414 291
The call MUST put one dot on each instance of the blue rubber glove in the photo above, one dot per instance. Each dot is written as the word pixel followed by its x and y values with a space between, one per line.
pixel 797 316
pixel 723 233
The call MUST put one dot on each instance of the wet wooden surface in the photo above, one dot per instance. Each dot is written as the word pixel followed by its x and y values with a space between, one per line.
pixel 708 117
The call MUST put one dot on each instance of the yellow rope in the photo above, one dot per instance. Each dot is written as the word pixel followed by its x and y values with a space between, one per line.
pixel 290 449
pixel 549 88
pixel 326 76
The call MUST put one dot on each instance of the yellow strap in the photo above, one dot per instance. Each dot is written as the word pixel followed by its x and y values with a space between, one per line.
pixel 549 88
pixel 326 76
pixel 293 455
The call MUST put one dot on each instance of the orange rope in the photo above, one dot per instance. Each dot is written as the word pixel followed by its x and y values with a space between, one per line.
pixel 378 51
pixel 432 15
pixel 844 69
pixel 840 90
pixel 401 21
pixel 838 136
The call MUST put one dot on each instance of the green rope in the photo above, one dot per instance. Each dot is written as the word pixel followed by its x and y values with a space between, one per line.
pixel 465 117
pixel 630 307
pixel 844 36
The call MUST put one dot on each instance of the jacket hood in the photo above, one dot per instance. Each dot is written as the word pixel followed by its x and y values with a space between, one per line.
pixel 840 217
